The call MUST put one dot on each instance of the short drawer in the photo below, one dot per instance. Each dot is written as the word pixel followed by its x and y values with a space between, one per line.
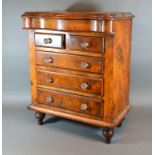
pixel 89 106
pixel 50 40
pixel 68 61
pixel 82 43
pixel 72 82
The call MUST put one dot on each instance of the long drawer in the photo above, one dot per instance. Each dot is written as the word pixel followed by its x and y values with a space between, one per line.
pixel 88 106
pixel 68 81
pixel 75 62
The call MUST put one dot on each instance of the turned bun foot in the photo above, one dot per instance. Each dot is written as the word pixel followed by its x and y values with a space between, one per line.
pixel 40 116
pixel 108 134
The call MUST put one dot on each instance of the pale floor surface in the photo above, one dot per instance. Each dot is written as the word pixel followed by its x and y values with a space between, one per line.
pixel 23 136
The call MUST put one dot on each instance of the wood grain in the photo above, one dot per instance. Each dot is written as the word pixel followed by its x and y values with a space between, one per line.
pixel 70 102
pixel 80 66
pixel 50 40
pixel 69 61
pixel 82 43
pixel 122 65
pixel 80 15
pixel 68 81
pixel 32 57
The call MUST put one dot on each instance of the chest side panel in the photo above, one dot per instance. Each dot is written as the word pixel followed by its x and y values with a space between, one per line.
pixel 117 70
pixel 121 66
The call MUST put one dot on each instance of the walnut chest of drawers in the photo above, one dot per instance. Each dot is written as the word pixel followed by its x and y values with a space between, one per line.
pixel 80 66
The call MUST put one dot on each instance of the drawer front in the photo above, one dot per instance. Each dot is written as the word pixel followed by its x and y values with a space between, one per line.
pixel 81 63
pixel 82 43
pixel 71 102
pixel 73 82
pixel 50 40
pixel 62 24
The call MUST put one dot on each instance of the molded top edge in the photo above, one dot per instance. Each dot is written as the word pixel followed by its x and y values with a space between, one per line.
pixel 80 15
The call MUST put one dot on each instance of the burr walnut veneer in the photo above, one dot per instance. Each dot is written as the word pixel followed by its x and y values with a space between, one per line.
pixel 80 66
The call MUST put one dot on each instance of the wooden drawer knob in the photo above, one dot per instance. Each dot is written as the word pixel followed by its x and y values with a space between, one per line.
pixel 84 85
pixel 48 60
pixel 84 65
pixel 49 99
pixel 85 44
pixel 49 80
pixel 83 106
pixel 47 41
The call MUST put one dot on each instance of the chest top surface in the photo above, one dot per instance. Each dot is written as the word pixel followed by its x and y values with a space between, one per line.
pixel 80 15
